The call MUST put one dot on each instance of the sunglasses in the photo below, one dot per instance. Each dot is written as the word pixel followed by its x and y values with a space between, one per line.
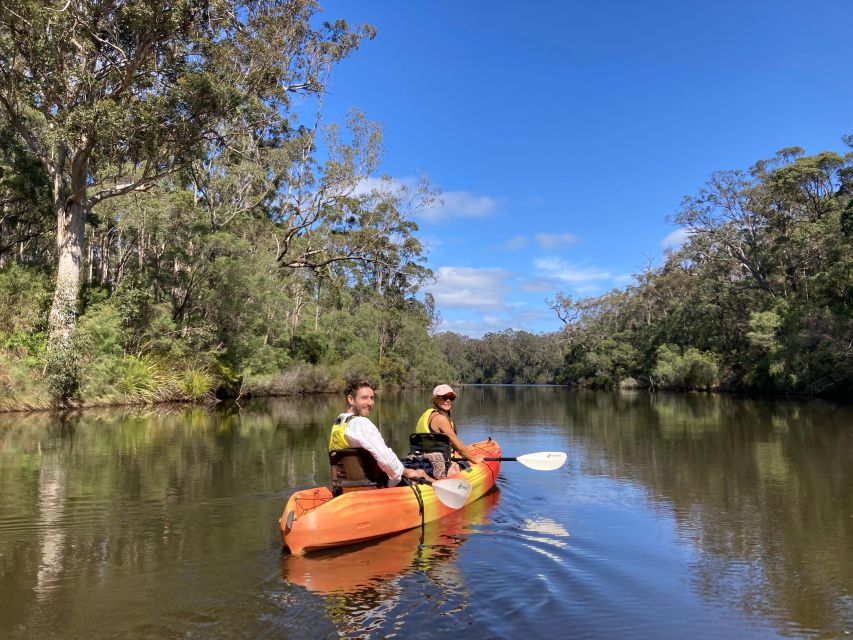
pixel 446 398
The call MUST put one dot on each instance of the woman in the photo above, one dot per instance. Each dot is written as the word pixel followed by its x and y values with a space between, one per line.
pixel 437 419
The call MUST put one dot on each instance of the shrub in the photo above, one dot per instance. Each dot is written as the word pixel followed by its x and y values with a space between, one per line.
pixel 21 384
pixel 196 384
pixel 690 369
pixel 298 380
pixel 25 296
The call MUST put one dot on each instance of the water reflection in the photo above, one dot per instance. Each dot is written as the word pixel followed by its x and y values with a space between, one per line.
pixel 545 531
pixel 51 507
pixel 762 490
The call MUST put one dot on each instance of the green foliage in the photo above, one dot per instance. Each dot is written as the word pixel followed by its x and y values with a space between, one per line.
pixel 309 347
pixel 139 378
pixel 110 374
pixel 21 384
pixel 25 295
pixel 763 331
pixel 27 224
pixel 507 357
pixel 604 363
pixel 101 332
pixel 196 384
pixel 24 302
pixel 685 369
pixel 62 367
pixel 359 366
pixel 297 380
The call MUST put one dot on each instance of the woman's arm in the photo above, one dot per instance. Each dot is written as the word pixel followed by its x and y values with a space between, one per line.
pixel 440 423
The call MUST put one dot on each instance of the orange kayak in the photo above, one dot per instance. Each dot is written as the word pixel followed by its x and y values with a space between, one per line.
pixel 360 567
pixel 315 519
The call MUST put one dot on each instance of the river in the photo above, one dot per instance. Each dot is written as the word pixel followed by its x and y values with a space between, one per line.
pixel 675 516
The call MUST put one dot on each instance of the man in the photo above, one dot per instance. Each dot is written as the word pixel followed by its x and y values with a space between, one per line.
pixel 353 428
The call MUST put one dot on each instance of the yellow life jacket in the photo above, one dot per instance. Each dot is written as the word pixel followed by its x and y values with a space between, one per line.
pixel 338 439
pixel 423 421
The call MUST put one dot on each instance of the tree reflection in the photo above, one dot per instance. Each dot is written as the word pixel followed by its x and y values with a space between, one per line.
pixel 763 489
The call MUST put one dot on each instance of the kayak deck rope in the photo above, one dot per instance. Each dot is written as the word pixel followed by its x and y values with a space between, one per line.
pixel 306 504
pixel 420 505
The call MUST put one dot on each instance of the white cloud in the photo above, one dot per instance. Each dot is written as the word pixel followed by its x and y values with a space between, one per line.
pixel 545 240
pixel 574 274
pixel 587 289
pixel 675 239
pixel 460 204
pixel 382 185
pixel 517 243
pixel 467 287
pixel 537 285
pixel 473 328
pixel 551 240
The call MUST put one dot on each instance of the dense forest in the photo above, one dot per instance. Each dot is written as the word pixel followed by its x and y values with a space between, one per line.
pixel 178 219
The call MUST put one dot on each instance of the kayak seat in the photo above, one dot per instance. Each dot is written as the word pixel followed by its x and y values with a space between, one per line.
pixel 354 469
pixel 430 443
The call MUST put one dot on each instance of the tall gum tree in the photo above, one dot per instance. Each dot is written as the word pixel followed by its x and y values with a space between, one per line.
pixel 112 95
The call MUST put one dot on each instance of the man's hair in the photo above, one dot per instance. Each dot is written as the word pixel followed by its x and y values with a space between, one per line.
pixel 355 385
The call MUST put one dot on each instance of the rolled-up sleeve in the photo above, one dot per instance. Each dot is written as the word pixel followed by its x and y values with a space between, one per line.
pixel 361 432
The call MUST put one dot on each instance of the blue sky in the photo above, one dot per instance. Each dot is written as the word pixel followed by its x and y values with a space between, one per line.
pixel 562 134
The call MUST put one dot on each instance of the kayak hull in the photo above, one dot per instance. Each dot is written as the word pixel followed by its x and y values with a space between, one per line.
pixel 314 519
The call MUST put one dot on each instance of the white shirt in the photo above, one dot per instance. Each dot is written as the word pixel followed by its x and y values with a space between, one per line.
pixel 361 432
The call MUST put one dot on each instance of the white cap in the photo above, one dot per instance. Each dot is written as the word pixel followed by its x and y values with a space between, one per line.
pixel 443 390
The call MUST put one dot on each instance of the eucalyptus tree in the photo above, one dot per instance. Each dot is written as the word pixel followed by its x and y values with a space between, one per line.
pixel 308 199
pixel 332 211
pixel 113 95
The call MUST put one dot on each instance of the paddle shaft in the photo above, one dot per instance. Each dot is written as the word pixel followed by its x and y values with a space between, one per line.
pixel 540 461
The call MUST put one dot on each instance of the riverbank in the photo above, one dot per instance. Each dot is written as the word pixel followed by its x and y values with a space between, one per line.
pixel 24 387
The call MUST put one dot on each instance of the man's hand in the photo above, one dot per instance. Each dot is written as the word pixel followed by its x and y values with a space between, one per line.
pixel 417 474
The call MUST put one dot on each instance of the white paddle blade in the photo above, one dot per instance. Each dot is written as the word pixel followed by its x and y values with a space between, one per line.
pixel 544 460
pixel 452 492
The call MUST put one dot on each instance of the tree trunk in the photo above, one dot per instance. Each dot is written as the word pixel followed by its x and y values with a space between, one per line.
pixel 90 259
pixel 141 247
pixel 104 256
pixel 70 242
pixel 317 310
pixel 298 303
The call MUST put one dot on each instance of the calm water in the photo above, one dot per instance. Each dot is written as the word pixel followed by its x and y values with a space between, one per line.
pixel 675 517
